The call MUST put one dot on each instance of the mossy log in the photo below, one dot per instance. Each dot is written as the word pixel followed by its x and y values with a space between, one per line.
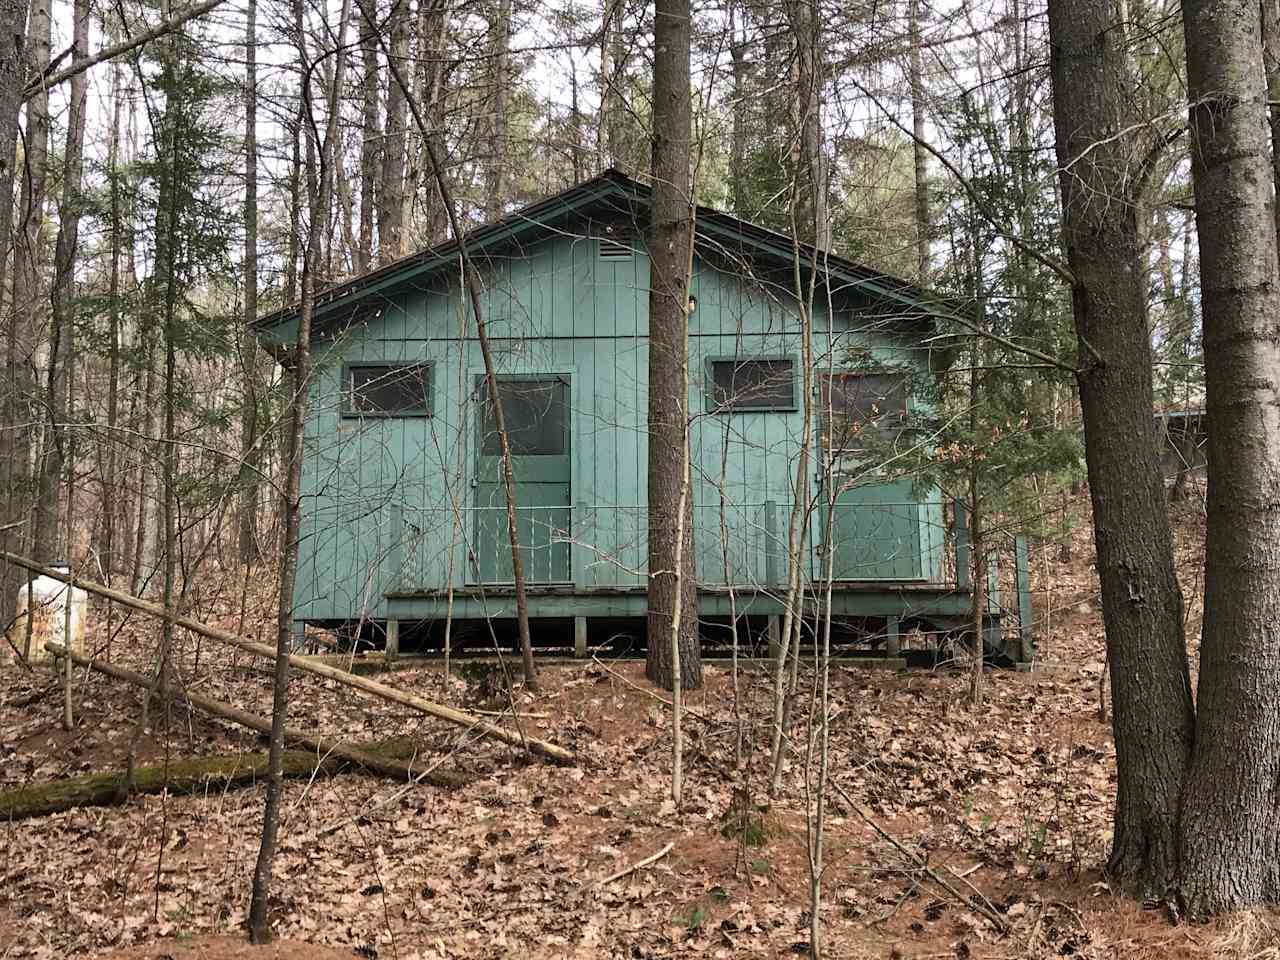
pixel 392 758
pixel 195 775
pixel 187 776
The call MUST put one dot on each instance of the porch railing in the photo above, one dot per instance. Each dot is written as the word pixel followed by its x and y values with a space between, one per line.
pixel 605 545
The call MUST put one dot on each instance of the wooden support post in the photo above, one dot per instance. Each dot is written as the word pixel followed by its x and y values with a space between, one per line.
pixel 893 641
pixel 580 637
pixel 393 639
pixel 775 637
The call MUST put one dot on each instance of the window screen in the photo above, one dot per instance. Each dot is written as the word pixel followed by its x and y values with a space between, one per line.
pixel 861 408
pixel 753 384
pixel 389 390
pixel 535 415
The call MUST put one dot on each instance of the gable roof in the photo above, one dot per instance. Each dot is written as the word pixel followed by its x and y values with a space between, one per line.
pixel 614 192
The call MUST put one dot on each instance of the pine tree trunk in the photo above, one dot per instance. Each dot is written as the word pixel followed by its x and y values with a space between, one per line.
pixel 110 483
pixel 603 157
pixel 370 148
pixel 1230 833
pixel 919 155
pixel 433 37
pixel 13 74
pixel 30 252
pixel 247 518
pixel 50 543
pixel 811 166
pixel 738 131
pixel 670 257
pixel 496 176
pixel 1152 714
pixel 391 206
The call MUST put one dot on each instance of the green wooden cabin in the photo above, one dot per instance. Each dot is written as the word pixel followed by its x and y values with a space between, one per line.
pixel 404 522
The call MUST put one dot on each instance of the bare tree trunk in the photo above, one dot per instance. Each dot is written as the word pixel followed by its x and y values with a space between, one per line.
pixel 738 134
pixel 603 144
pixel 811 166
pixel 247 519
pixel 391 207
pixel 671 588
pixel 295 208
pixel 370 149
pixel 1152 714
pixel 28 271
pixel 496 174
pixel 49 541
pixel 576 149
pixel 290 507
pixel 433 37
pixel 1230 837
pixel 919 154
pixel 13 73
pixel 110 484
pixel 143 548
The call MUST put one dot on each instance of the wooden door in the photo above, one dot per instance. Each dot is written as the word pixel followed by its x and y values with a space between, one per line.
pixel 875 522
pixel 536 412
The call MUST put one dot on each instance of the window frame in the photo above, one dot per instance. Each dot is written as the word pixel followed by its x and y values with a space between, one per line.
pixel 906 375
pixel 730 407
pixel 349 410
pixel 479 394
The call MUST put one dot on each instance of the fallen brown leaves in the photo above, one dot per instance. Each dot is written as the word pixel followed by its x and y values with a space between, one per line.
pixel 1013 799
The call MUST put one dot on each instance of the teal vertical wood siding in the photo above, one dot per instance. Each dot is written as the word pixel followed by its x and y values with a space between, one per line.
pixel 387 501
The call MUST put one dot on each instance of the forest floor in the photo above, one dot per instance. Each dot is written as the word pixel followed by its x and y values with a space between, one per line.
pixel 1009 802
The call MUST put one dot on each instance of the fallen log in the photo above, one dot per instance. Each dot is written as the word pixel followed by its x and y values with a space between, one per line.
pixel 459 718
pixel 386 762
pixel 187 776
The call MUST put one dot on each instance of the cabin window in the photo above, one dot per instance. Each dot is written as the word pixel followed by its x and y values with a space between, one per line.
pixel 536 417
pixel 862 410
pixel 388 390
pixel 754 383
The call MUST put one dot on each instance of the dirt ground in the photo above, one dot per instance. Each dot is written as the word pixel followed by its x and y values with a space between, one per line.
pixel 1007 807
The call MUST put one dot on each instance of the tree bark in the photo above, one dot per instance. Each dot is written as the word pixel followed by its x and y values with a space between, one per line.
pixel 247 509
pixel 391 206
pixel 604 156
pixel 50 544
pixel 1271 65
pixel 13 70
pixel 29 257
pixel 433 38
pixel 370 149
pixel 1230 834
pixel 810 173
pixel 919 156
pixel 670 259
pixel 110 484
pixel 738 130
pixel 496 176
pixel 1152 715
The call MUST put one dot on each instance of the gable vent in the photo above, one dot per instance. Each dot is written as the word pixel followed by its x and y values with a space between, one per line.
pixel 615 247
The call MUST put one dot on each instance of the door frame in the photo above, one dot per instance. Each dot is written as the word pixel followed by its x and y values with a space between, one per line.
pixel 821 545
pixel 479 385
